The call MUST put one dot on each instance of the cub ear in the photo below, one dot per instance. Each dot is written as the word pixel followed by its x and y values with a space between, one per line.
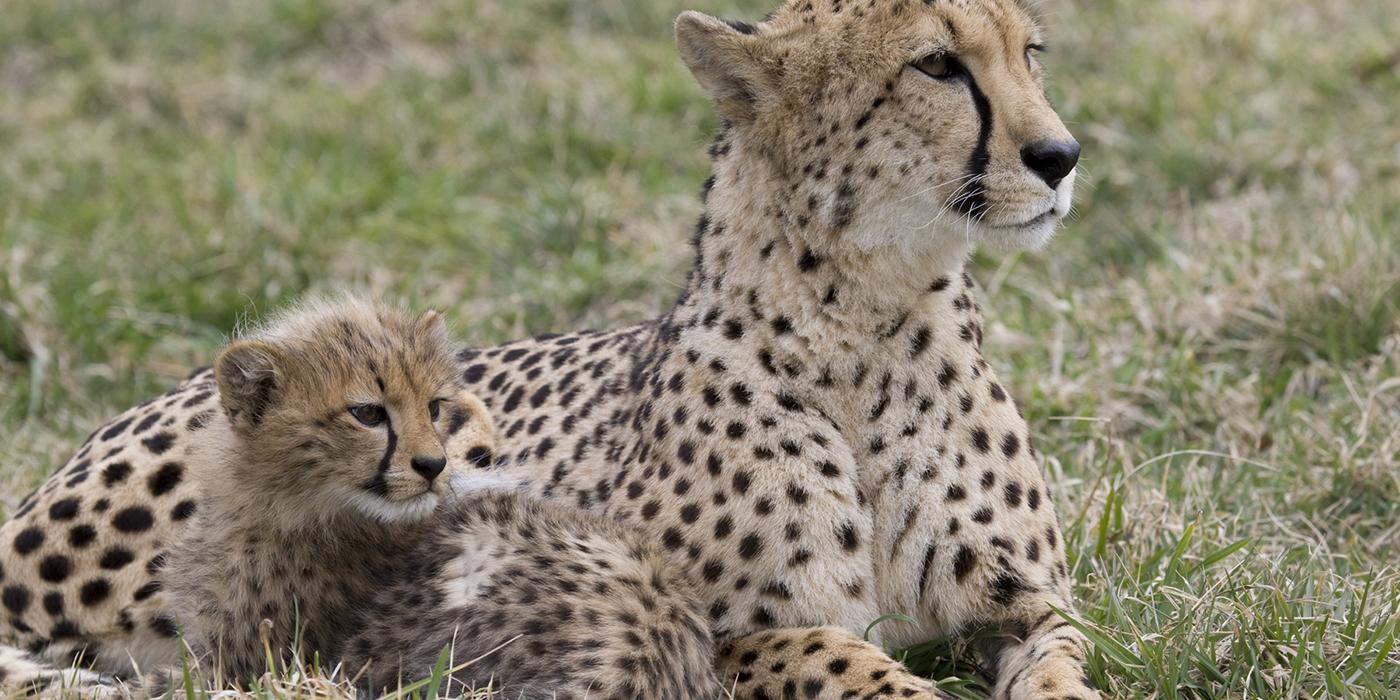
pixel 247 374
pixel 431 321
pixel 729 60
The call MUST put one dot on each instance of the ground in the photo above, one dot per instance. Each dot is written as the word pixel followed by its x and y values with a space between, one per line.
pixel 1207 354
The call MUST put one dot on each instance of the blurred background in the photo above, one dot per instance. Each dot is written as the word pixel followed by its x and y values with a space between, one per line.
pixel 1208 354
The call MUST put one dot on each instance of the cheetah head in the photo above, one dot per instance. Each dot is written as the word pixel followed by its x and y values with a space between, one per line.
pixel 345 405
pixel 914 124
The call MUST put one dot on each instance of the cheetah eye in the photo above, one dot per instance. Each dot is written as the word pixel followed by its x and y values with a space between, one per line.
pixel 434 408
pixel 940 66
pixel 369 414
pixel 1031 51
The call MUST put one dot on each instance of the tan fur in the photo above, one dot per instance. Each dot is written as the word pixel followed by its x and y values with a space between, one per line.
pixel 811 434
pixel 290 550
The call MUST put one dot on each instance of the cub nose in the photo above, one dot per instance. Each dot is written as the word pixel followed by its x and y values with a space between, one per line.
pixel 1051 160
pixel 429 467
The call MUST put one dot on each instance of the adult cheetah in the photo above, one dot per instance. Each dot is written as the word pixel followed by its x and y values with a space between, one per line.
pixel 811 432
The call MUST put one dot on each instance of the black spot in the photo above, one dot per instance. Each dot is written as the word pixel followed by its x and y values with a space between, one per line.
pixel 165 479
pixel 479 456
pixel 115 473
pixel 66 509
pixel 164 625
pixel 1006 587
pixel 116 429
pixel 159 443
pixel 1013 495
pixel 982 516
pixel 963 563
pixel 1010 445
pixel 81 536
pixel 919 343
pixel 789 402
pixel 133 519
pixel 55 568
pixel 947 375
pixel 981 440
pixel 742 394
pixel 53 605
pixel 116 558
pixel 28 540
pixel 850 541
pixel 146 591
pixel 65 629
pixel 94 592
pixel 474 373
pixel 672 539
pixel 183 510
pixel 146 423
pixel 742 480
pixel 808 261
pixel 750 546
pixel 15 599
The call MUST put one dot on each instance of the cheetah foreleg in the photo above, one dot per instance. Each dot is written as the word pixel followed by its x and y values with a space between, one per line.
pixel 1046 663
pixel 814 662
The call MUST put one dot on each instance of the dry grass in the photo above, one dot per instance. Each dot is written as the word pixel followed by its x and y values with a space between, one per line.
pixel 1209 354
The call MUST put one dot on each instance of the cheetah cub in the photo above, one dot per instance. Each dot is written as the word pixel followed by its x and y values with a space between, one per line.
pixel 327 513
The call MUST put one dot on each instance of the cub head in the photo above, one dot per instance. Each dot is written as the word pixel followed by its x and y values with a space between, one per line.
pixel 908 123
pixel 349 405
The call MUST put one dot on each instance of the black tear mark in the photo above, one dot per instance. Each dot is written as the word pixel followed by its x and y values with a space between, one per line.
pixel 973 200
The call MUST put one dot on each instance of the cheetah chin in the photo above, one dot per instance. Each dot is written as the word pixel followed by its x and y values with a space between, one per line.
pixel 386 511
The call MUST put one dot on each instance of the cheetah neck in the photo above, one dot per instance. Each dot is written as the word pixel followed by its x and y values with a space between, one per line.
pixel 768 241
pixel 773 279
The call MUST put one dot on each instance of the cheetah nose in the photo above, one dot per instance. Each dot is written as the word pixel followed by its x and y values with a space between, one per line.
pixel 429 467
pixel 1051 160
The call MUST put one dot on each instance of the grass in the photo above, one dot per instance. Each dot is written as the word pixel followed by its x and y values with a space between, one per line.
pixel 1208 355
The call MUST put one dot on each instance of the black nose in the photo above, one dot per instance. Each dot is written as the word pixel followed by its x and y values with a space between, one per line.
pixel 429 467
pixel 1051 160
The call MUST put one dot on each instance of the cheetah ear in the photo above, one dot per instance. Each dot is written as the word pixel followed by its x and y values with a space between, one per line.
pixel 247 374
pixel 729 61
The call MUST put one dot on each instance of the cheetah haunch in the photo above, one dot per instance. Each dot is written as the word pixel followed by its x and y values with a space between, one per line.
pixel 811 433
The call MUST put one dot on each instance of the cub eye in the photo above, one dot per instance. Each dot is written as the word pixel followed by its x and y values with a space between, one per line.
pixel 939 65
pixel 369 414
pixel 434 408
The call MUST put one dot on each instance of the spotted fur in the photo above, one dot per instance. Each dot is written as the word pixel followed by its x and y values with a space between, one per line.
pixel 811 434
pixel 319 531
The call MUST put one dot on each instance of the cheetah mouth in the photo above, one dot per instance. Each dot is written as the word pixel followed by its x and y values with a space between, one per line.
pixel 1036 220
